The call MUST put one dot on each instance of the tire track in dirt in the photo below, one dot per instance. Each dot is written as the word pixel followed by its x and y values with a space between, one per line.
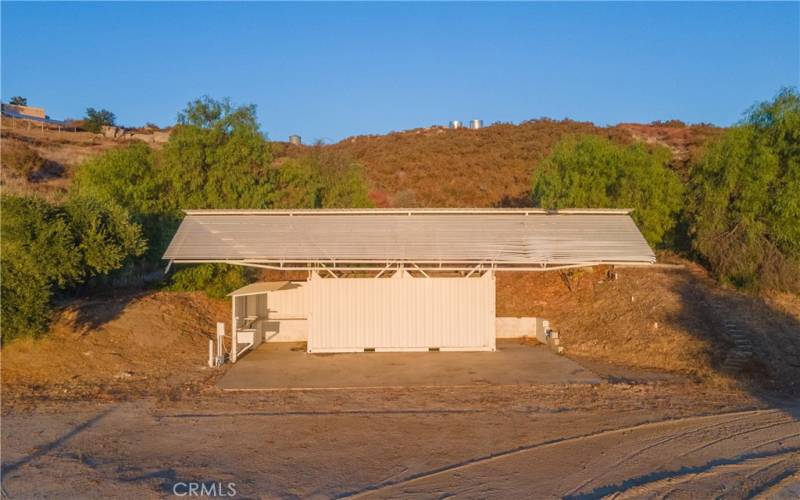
pixel 495 456
pixel 639 451
pixel 666 486
pixel 675 478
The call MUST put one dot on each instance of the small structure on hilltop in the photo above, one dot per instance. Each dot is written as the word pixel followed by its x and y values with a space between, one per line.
pixel 30 114
pixel 295 139
pixel 27 111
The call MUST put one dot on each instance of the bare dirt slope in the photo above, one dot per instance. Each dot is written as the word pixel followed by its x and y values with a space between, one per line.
pixel 117 346
pixel 662 319
pixel 61 153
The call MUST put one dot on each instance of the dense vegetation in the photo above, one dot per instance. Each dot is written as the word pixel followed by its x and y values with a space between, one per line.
pixel 741 214
pixel 47 248
pixel 744 206
pixel 593 172
pixel 124 205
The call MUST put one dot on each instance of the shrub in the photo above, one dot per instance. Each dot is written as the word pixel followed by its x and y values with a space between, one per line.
pixel 105 237
pixel 47 248
pixel 18 100
pixel 320 180
pixel 593 172
pixel 128 178
pixel 217 158
pixel 744 208
pixel 96 119
pixel 216 280
pixel 20 159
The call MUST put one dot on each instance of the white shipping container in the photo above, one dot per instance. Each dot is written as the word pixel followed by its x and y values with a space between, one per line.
pixel 402 313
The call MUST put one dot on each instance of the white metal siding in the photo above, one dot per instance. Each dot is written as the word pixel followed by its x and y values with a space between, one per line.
pixel 402 313
pixel 290 302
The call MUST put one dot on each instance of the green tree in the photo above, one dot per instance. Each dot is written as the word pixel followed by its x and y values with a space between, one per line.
pixel 744 208
pixel 217 158
pixel 320 180
pixel 96 119
pixel 105 237
pixel 47 248
pixel 18 100
pixel 593 172
pixel 129 178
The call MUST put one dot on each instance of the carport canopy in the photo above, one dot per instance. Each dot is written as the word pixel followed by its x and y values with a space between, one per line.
pixel 422 239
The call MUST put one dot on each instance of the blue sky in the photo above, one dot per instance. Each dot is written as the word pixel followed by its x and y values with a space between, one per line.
pixel 327 71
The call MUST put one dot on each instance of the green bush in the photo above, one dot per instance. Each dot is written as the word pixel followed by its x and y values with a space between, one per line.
pixel 593 172
pixel 744 204
pixel 217 158
pixel 105 237
pixel 216 280
pixel 96 119
pixel 320 180
pixel 47 248
pixel 128 178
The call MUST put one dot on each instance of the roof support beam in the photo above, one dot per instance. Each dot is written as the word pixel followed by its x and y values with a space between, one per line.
pixel 467 268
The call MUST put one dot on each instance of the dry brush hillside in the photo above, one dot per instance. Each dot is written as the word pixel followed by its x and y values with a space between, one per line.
pixel 427 167
pixel 440 167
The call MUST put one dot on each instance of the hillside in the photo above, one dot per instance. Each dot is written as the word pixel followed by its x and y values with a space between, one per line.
pixel 428 167
pixel 440 167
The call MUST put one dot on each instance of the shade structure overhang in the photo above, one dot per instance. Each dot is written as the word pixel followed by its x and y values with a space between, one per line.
pixel 454 239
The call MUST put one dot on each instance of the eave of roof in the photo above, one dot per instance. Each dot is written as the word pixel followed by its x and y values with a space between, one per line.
pixel 412 211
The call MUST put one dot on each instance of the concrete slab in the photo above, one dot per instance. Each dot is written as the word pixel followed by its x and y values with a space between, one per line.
pixel 286 365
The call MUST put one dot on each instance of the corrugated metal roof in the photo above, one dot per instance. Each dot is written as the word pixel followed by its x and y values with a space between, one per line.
pixel 259 287
pixel 524 236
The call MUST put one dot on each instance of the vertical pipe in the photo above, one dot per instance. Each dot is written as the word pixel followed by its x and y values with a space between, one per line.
pixel 220 340
pixel 210 353
pixel 234 337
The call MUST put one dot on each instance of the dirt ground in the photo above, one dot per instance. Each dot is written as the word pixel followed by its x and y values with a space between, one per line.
pixel 611 440
pixel 116 347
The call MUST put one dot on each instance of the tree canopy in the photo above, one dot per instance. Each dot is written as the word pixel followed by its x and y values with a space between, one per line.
pixel 215 158
pixel 593 172
pixel 18 100
pixel 48 248
pixel 95 119
pixel 744 204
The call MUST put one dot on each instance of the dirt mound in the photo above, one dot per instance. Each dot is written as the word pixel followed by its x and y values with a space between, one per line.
pixel 661 319
pixel 147 343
